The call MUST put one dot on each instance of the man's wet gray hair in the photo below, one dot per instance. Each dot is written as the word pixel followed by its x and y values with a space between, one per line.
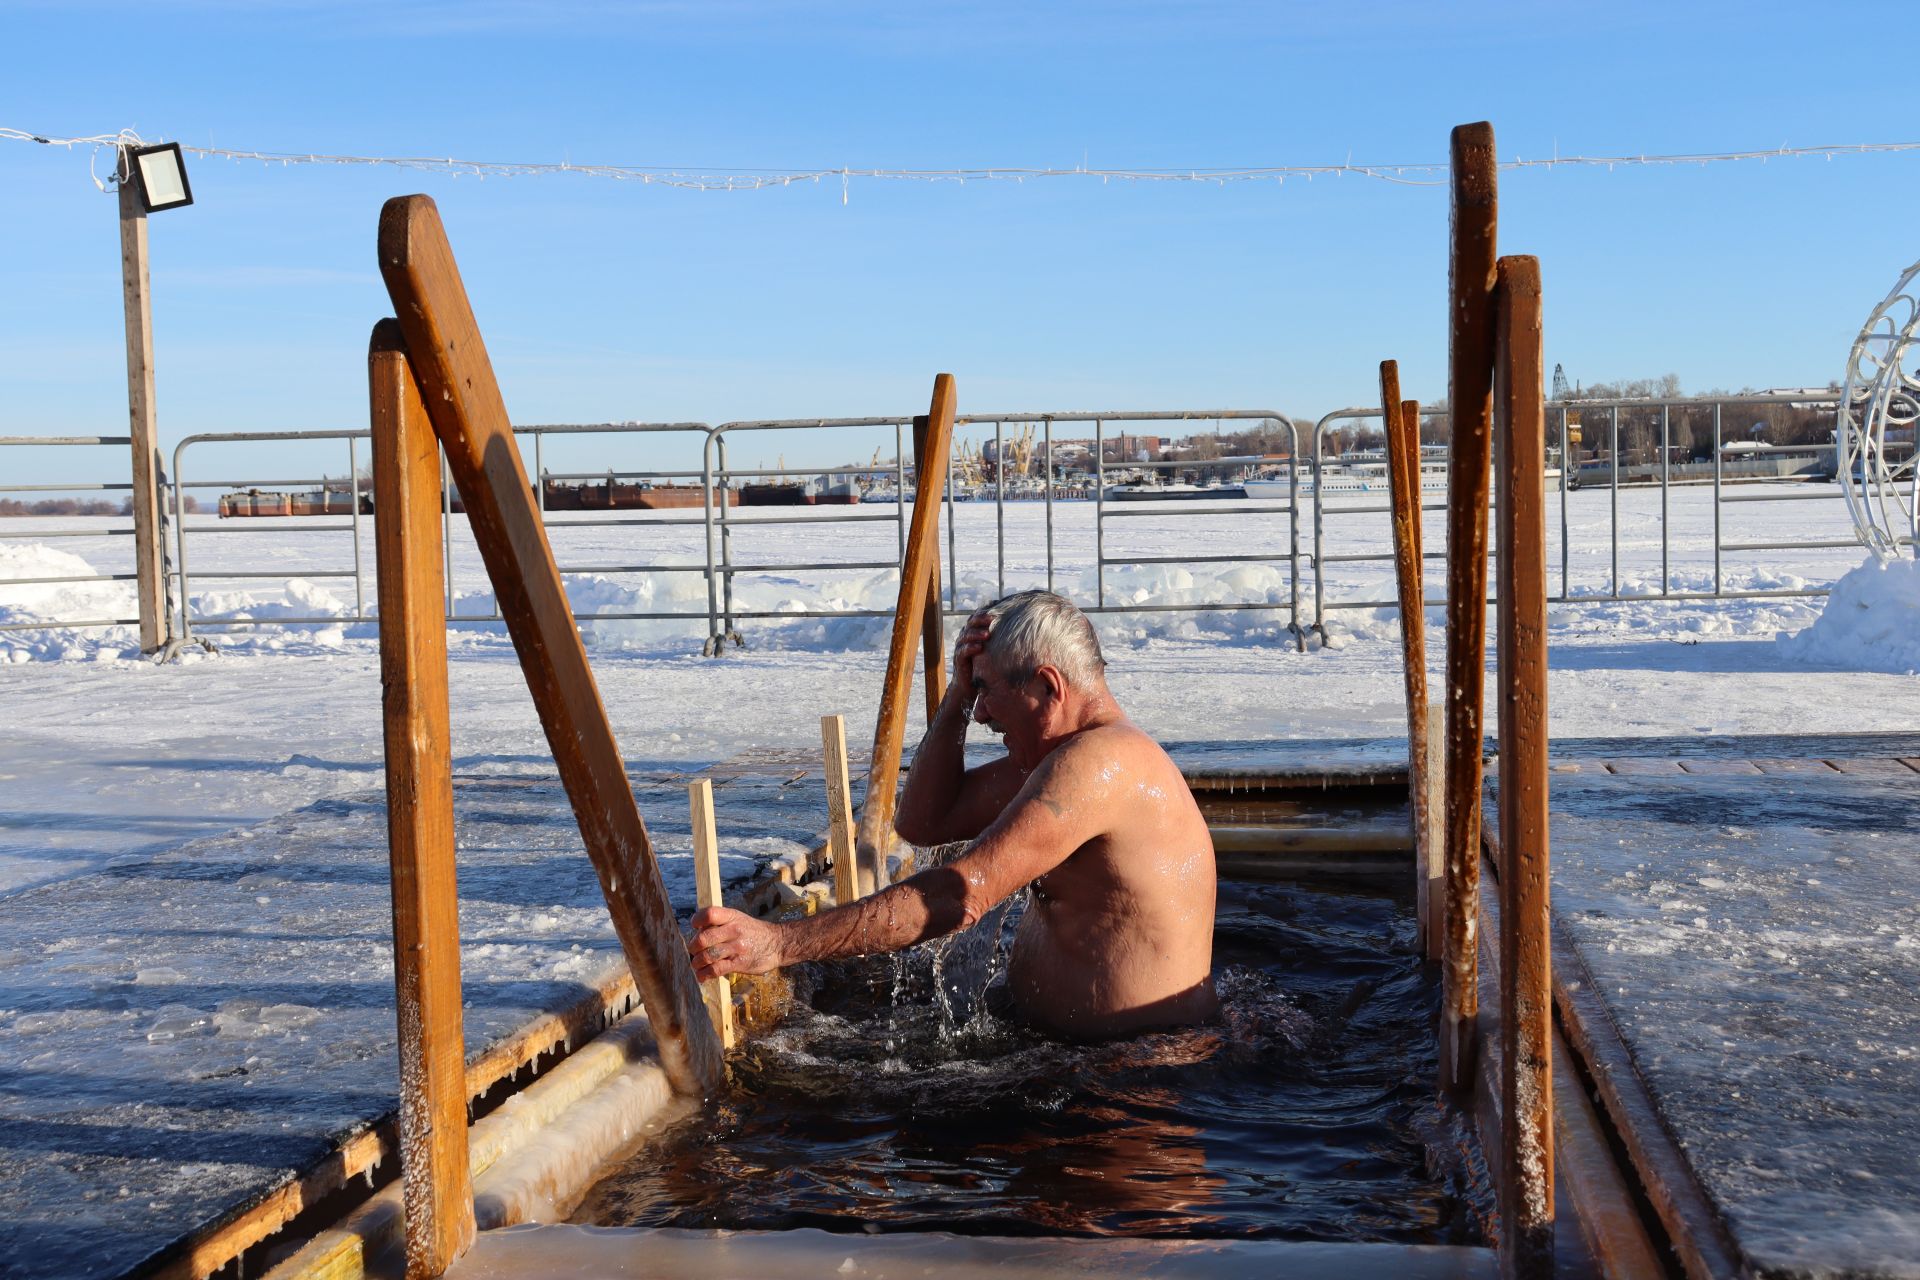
pixel 1034 629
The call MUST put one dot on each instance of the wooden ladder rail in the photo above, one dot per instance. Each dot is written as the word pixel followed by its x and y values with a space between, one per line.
pixel 1470 394
pixel 1526 943
pixel 1423 765
pixel 917 574
pixel 420 845
pixel 449 361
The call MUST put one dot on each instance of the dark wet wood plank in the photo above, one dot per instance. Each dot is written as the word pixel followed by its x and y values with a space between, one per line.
pixel 1723 768
pixel 1636 767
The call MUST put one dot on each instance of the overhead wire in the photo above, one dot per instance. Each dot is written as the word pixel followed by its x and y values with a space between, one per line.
pixel 700 178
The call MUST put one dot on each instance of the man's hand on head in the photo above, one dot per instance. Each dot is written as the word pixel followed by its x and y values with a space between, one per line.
pixel 971 644
pixel 726 941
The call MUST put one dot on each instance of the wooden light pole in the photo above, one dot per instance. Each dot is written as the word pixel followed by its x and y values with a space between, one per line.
pixel 149 573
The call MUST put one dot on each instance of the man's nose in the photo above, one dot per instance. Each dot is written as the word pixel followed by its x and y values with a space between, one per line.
pixel 977 711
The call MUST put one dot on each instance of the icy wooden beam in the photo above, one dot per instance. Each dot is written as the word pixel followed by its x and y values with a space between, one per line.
pixel 1403 484
pixel 1469 392
pixel 833 745
pixel 1431 842
pixel 706 880
pixel 1526 967
pixel 463 400
pixel 426 908
pixel 923 554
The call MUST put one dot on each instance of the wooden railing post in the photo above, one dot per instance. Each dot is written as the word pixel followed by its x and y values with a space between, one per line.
pixel 1470 395
pixel 923 553
pixel 840 837
pixel 426 908
pixel 1526 966
pixel 463 399
pixel 706 879
pixel 1403 484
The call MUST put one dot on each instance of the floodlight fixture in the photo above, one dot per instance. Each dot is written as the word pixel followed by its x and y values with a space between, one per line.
pixel 160 176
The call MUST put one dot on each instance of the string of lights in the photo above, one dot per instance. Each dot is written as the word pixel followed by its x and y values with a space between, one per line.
pixel 1426 174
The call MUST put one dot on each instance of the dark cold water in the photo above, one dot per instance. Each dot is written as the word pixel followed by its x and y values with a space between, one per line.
pixel 880 1105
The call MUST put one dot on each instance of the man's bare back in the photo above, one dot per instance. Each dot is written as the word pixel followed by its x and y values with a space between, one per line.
pixel 1085 808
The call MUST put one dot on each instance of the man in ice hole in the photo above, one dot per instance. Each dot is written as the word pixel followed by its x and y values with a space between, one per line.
pixel 1084 807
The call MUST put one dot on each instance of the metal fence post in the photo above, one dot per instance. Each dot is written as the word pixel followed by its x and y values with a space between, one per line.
pixel 1718 585
pixel 1566 465
pixel 1046 425
pixel 1666 460
pixel 1293 534
pixel 712 647
pixel 353 494
pixel 1613 519
pixel 1099 514
pixel 1319 534
pixel 1000 509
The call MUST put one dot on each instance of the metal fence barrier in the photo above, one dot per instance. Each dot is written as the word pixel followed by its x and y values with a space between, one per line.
pixel 721 524
pixel 36 535
pixel 1661 473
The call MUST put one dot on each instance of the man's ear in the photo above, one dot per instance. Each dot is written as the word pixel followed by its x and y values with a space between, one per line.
pixel 1056 683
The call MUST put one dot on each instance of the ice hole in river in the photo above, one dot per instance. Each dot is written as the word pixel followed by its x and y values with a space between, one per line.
pixel 890 1097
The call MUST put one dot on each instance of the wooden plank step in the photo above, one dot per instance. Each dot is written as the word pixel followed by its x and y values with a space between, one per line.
pixel 1721 768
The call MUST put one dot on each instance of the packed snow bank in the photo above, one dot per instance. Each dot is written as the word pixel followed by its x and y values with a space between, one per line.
pixel 1871 622
pixel 42 609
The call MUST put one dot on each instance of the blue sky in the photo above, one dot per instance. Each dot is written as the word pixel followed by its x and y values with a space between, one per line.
pixel 609 300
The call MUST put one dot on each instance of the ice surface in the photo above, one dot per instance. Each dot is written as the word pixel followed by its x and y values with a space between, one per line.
pixel 1756 940
pixel 172 1047
pixel 128 774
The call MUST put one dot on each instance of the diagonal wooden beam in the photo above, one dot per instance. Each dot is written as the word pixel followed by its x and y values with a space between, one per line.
pixel 470 418
pixel 923 559
pixel 419 754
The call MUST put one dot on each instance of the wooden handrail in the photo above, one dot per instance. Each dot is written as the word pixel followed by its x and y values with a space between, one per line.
pixel 1470 342
pixel 1526 966
pixel 1403 484
pixel 420 848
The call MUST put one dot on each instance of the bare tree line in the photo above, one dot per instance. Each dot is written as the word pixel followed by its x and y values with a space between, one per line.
pixel 85 506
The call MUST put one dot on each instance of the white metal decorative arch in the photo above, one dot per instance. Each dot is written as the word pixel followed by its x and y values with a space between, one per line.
pixel 1883 393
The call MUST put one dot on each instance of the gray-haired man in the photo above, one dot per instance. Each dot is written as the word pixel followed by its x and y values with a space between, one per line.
pixel 1084 807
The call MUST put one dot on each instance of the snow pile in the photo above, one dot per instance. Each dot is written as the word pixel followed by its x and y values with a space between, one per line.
pixel 38 607
pixel 303 599
pixel 1871 622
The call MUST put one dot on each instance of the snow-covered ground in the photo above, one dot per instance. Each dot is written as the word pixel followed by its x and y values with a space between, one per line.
pixel 106 757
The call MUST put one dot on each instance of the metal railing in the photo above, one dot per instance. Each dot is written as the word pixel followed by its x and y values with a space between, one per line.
pixel 719 524
pixel 1751 490
pixel 38 534
pixel 360 501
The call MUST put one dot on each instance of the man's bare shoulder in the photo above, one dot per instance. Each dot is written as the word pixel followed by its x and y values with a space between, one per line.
pixel 1102 760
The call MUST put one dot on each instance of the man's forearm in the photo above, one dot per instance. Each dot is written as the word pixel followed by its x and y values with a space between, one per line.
pixel 939 765
pixel 924 906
